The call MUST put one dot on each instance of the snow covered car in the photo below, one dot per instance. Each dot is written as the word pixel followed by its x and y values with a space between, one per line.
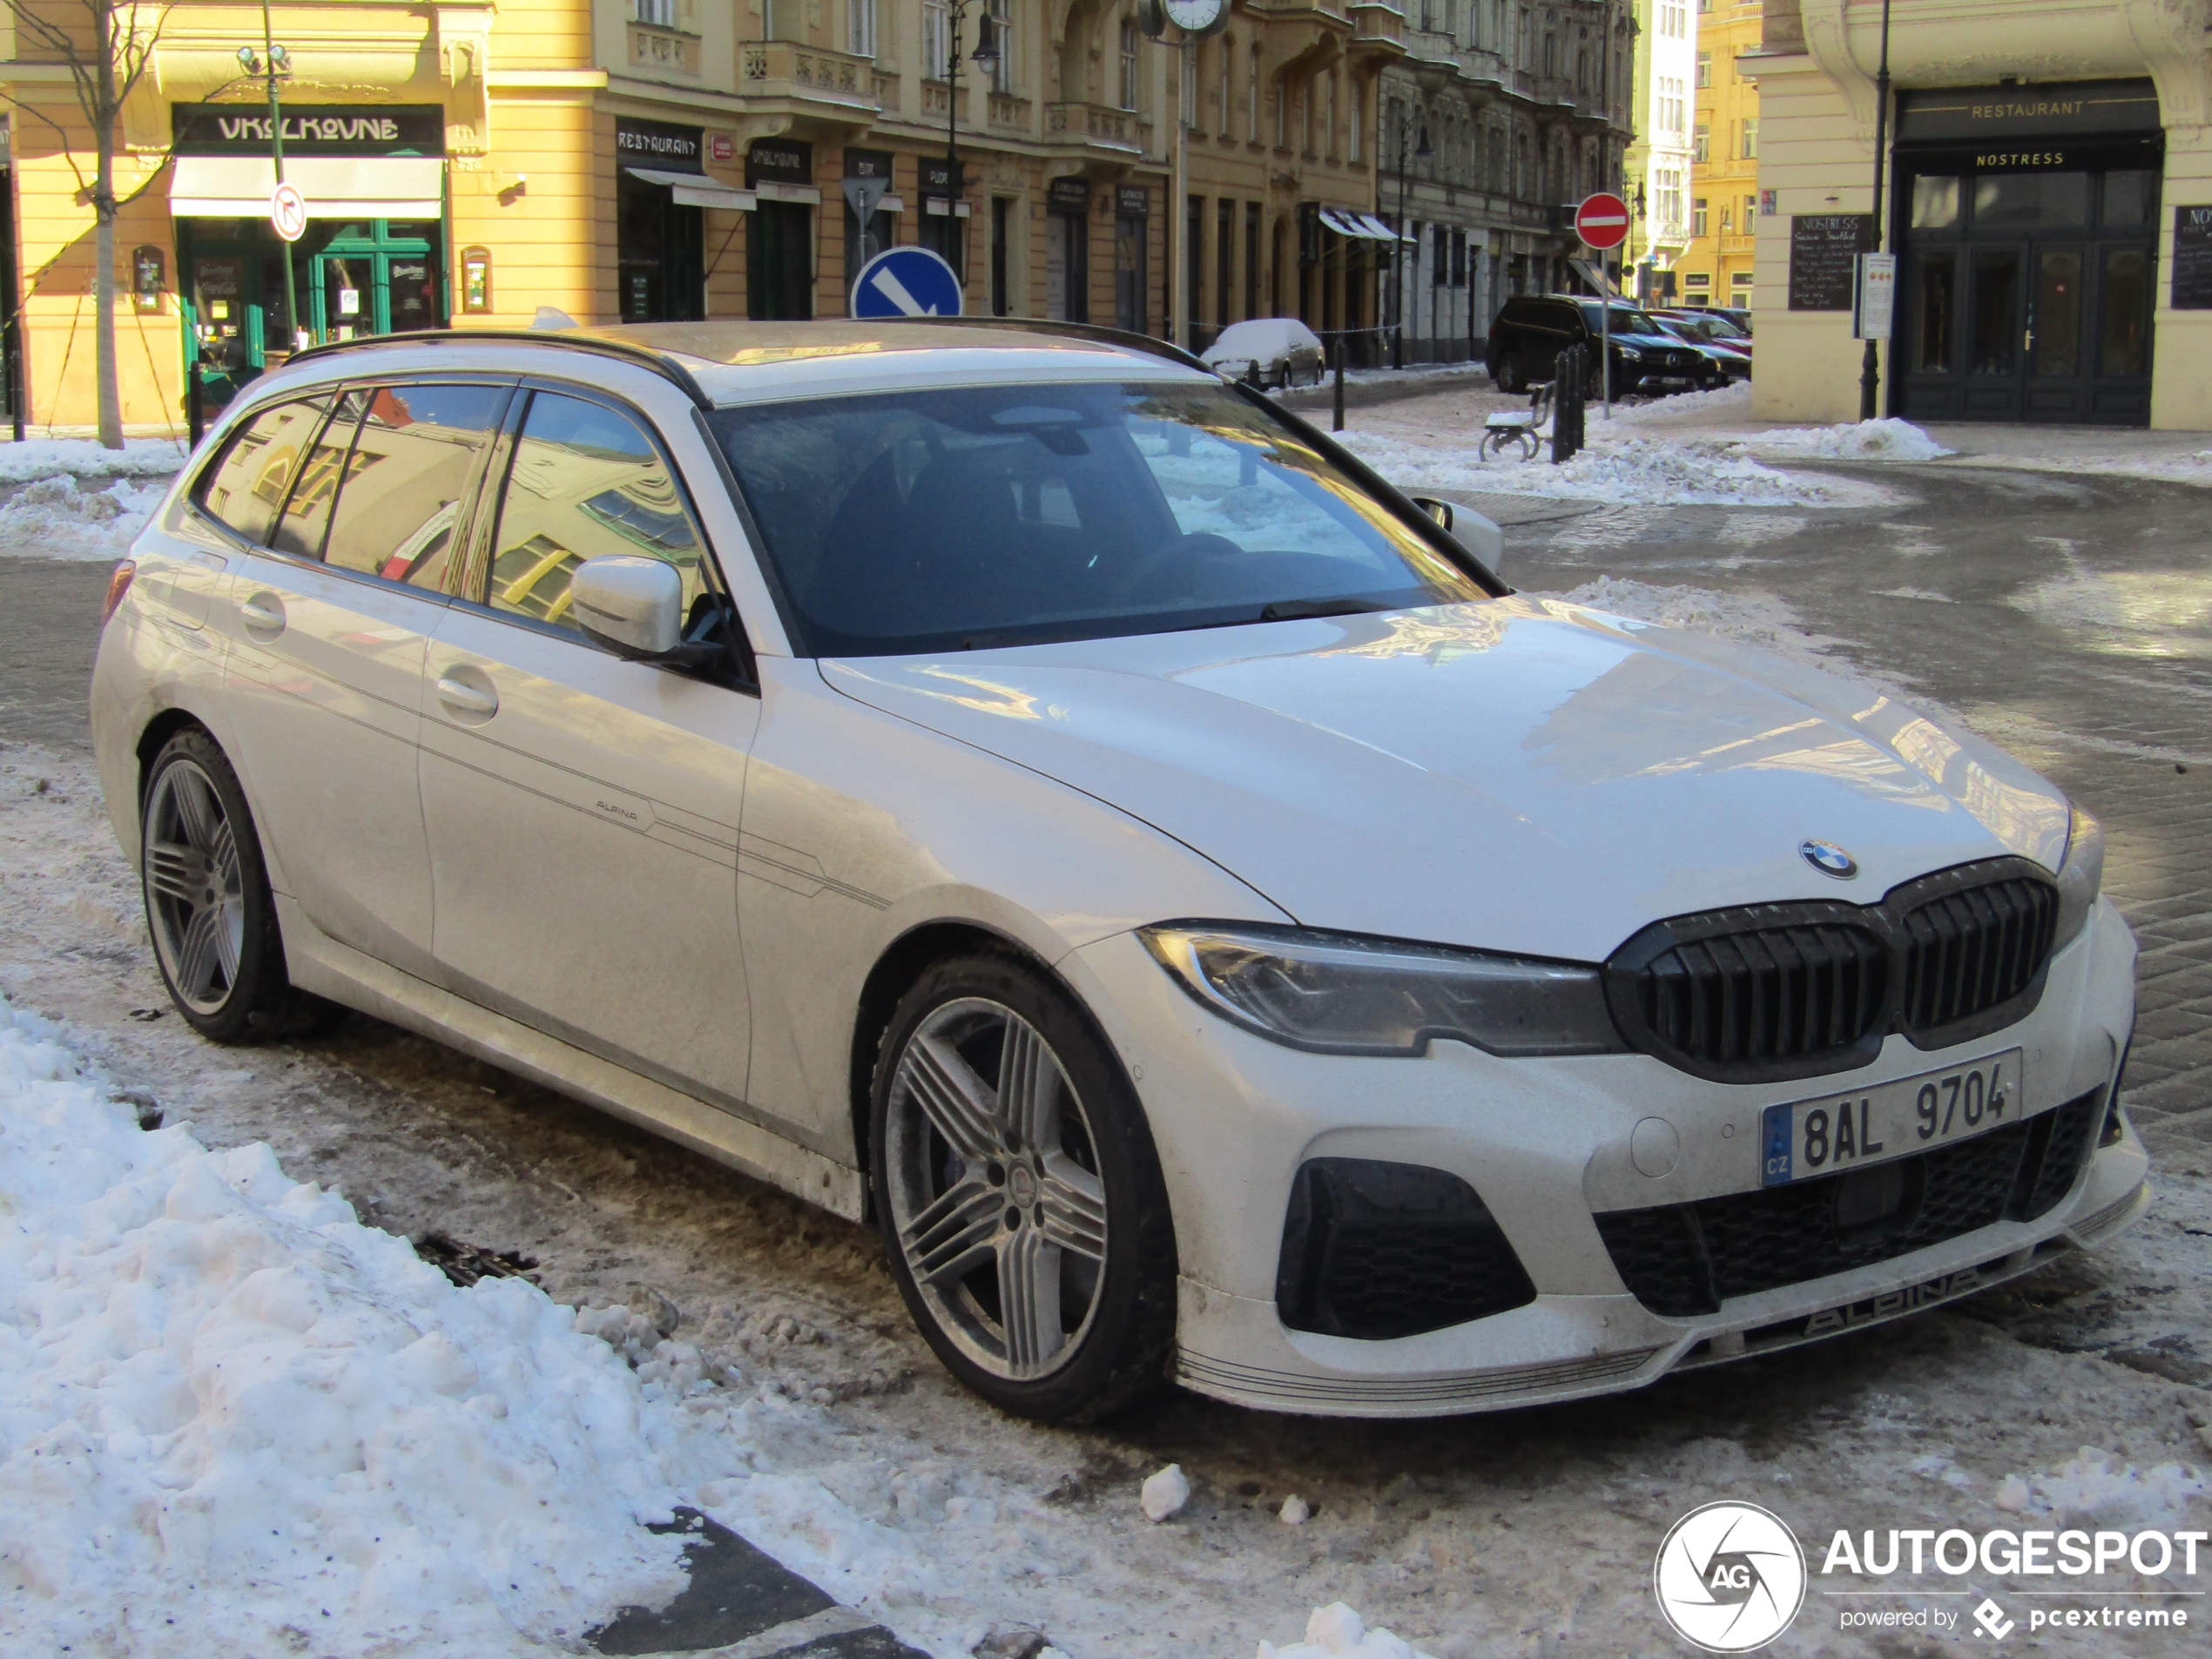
pixel 1268 350
pixel 1002 781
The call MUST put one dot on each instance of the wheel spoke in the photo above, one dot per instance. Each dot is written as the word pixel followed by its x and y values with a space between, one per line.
pixel 222 857
pixel 1029 1299
pixel 230 938
pixel 196 813
pixel 172 871
pixel 200 957
pixel 955 1235
pixel 956 1099
pixel 1029 1090
pixel 1071 1207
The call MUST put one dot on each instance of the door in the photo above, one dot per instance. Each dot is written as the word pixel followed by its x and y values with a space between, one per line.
pixel 582 810
pixel 780 262
pixel 328 623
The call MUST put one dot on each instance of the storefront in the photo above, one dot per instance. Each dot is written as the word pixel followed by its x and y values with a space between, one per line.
pixel 372 261
pixel 2027 221
pixel 1067 250
pixel 779 248
pixel 661 192
pixel 1132 258
pixel 944 212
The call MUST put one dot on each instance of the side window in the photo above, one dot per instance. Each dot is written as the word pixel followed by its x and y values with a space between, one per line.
pixel 586 480
pixel 407 479
pixel 306 519
pixel 245 486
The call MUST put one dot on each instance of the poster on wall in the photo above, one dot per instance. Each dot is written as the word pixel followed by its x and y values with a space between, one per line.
pixel 2193 258
pixel 1824 259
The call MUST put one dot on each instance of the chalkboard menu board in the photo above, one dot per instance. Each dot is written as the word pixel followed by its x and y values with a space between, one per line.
pixel 2193 258
pixel 1824 249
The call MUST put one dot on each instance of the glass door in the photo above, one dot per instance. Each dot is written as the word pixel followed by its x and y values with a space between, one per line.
pixel 1996 331
pixel 380 278
pixel 2057 383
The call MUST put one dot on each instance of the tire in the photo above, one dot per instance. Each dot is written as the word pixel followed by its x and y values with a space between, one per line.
pixel 1069 1203
pixel 208 906
pixel 1508 375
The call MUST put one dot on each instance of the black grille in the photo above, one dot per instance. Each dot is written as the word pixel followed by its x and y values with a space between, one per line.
pixel 1766 992
pixel 1685 1259
pixel 1378 1250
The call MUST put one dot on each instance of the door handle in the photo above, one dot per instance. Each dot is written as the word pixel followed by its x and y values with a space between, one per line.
pixel 461 697
pixel 263 615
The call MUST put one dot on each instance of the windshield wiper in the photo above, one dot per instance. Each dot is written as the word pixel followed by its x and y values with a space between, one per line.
pixel 1299 610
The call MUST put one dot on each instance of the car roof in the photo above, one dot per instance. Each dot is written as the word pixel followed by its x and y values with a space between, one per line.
pixel 723 363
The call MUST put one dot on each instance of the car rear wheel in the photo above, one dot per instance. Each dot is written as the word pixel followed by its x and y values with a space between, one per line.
pixel 1019 1194
pixel 208 901
pixel 1509 380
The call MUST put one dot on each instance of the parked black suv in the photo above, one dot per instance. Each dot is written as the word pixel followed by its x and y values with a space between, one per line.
pixel 1532 329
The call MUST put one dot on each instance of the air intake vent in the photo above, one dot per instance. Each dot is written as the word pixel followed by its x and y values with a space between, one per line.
pixel 1765 993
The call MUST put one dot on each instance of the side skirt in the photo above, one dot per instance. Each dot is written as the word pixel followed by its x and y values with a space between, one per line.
pixel 322 965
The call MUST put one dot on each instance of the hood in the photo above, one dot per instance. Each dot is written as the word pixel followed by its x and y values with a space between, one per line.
pixel 1518 774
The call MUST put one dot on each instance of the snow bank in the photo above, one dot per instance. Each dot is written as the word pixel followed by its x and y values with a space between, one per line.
pixel 1337 1632
pixel 53 517
pixel 233 1418
pixel 1889 439
pixel 42 457
pixel 2097 1488
pixel 1643 472
pixel 1755 619
pixel 1733 400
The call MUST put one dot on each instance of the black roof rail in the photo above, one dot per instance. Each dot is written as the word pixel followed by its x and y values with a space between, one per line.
pixel 643 356
pixel 1151 346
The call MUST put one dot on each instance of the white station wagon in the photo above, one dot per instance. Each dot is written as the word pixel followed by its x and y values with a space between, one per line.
pixel 1004 782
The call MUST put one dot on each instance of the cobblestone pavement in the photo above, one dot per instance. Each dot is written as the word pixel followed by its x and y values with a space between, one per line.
pixel 2069 618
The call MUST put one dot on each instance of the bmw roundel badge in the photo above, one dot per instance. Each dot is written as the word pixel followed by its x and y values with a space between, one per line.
pixel 1829 858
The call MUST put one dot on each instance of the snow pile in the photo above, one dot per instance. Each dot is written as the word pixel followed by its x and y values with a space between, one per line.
pixel 1733 400
pixel 234 1418
pixel 1336 1632
pixel 1889 439
pixel 1643 472
pixel 2102 1489
pixel 1165 1493
pixel 42 457
pixel 53 517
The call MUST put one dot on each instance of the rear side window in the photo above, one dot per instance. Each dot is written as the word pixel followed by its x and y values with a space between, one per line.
pixel 586 480
pixel 407 480
pixel 245 486
pixel 306 519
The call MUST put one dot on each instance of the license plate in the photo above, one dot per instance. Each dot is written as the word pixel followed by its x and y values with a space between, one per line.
pixel 1813 1138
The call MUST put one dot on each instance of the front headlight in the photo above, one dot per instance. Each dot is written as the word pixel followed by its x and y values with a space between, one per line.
pixel 1340 993
pixel 1629 352
pixel 2081 873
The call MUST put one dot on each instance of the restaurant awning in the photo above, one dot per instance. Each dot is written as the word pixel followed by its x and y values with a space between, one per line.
pixel 335 186
pixel 697 189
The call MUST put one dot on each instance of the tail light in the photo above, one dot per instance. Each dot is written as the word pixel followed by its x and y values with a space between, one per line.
pixel 118 584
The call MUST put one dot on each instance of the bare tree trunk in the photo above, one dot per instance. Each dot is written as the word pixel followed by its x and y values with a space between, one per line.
pixel 103 208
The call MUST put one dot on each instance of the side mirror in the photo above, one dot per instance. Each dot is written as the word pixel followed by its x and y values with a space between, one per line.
pixel 1471 529
pixel 1438 510
pixel 630 605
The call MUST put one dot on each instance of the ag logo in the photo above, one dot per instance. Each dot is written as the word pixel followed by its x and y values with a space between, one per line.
pixel 1729 1577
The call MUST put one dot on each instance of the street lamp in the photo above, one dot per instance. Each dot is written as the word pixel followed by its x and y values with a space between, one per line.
pixel 274 65
pixel 986 53
pixel 1870 366
pixel 1407 129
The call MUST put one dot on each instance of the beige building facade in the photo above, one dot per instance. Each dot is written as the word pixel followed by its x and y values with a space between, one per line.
pixel 2047 195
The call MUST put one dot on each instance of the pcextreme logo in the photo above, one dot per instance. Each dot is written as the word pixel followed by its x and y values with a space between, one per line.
pixel 1729 1577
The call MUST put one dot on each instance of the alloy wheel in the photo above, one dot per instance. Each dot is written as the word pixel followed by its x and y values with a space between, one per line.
pixel 195 886
pixel 994 1196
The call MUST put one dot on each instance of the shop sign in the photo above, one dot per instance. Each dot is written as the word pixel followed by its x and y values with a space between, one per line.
pixel 311 130
pixel 868 163
pixel 938 178
pixel 1824 259
pixel 2045 110
pixel 779 161
pixel 2193 258
pixel 149 275
pixel 657 144
pixel 722 147
pixel 1068 195
pixel 1132 201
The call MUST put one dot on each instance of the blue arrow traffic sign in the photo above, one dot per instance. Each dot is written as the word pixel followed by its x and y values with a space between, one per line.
pixel 906 282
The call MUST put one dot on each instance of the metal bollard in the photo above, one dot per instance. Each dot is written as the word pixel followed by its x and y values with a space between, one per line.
pixel 1337 417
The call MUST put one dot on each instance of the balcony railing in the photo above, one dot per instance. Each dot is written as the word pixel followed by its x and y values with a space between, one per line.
pixel 774 67
pixel 1100 124
pixel 1374 20
pixel 1008 110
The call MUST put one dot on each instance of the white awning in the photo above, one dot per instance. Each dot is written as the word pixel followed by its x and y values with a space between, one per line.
pixel 1363 227
pixel 697 189
pixel 335 186
pixel 769 191
pixel 1381 232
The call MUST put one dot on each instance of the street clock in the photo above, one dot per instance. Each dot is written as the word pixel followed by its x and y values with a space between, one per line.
pixel 1199 18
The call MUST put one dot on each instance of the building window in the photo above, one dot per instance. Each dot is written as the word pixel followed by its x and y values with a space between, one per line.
pixel 1697 217
pixel 661 14
pixel 1701 145
pixel 1705 69
pixel 1750 141
pixel 1358 120
pixel 1128 64
pixel 1002 38
pixel 1226 125
pixel 936 40
pixel 1251 99
pixel 860 27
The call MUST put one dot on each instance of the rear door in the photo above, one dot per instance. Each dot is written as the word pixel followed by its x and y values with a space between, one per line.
pixel 328 619
pixel 582 810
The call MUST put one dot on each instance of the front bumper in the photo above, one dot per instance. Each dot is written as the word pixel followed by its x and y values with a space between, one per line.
pixel 1545 1143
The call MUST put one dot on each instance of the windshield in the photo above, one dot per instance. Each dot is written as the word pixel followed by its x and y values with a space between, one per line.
pixel 1721 328
pixel 1626 320
pixel 959 519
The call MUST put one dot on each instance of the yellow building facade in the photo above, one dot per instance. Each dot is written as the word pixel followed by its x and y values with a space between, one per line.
pixel 1717 266
pixel 466 164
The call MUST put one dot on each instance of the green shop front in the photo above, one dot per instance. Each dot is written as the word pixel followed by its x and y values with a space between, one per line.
pixel 372 260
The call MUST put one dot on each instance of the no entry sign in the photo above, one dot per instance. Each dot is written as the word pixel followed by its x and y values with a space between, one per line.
pixel 1602 220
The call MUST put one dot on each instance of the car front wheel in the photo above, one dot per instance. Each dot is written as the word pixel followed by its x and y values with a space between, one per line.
pixel 1019 1194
